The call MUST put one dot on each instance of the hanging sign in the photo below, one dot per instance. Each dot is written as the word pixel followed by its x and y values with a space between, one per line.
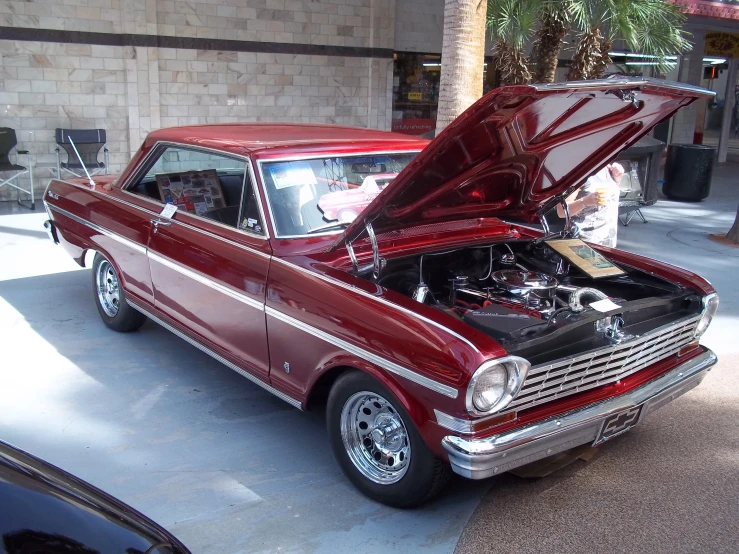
pixel 724 45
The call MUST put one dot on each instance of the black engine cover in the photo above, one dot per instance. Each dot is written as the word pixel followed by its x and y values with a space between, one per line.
pixel 503 323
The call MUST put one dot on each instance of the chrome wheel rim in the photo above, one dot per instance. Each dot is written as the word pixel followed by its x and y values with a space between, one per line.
pixel 108 291
pixel 375 438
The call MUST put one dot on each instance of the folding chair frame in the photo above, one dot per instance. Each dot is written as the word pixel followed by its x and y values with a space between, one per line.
pixel 15 185
pixel 58 169
pixel 627 217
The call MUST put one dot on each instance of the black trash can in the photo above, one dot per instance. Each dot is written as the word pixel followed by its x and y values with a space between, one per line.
pixel 688 172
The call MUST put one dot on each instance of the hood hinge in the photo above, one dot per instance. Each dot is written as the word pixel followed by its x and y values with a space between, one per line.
pixel 352 256
pixel 378 262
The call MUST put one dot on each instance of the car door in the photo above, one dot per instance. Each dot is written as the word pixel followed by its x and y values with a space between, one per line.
pixel 209 262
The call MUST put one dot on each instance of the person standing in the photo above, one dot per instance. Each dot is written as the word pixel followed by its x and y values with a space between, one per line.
pixel 594 207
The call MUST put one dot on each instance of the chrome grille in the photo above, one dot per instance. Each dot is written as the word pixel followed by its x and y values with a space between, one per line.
pixel 571 375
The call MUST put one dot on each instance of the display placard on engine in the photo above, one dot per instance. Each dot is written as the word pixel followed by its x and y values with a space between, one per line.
pixel 585 258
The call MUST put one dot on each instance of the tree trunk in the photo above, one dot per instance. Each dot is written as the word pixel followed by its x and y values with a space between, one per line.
pixel 586 56
pixel 512 64
pixel 733 234
pixel 601 64
pixel 462 58
pixel 548 45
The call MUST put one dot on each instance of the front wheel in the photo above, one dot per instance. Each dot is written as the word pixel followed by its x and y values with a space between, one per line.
pixel 377 445
pixel 110 298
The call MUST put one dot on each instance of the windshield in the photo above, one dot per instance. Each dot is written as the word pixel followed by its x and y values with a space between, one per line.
pixel 326 194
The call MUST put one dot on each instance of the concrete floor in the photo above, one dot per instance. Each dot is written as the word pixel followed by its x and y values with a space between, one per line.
pixel 228 468
pixel 145 416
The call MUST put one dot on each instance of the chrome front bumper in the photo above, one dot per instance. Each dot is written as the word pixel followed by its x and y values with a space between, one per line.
pixel 481 458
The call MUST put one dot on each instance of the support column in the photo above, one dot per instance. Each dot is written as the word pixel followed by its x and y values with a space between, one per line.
pixel 691 67
pixel 142 72
pixel 723 141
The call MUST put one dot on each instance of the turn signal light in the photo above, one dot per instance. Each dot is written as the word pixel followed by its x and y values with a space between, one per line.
pixel 688 348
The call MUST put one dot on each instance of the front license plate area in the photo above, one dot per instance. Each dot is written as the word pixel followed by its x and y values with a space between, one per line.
pixel 617 424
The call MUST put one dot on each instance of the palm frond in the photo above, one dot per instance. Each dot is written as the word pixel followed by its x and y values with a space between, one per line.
pixel 513 21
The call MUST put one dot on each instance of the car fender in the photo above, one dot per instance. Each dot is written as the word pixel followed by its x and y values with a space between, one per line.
pixel 346 362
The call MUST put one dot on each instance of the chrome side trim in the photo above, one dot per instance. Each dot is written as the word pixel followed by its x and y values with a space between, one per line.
pixel 621 82
pixel 207 281
pixel 108 196
pixel 281 395
pixel 387 365
pixel 187 225
pixel 378 299
pixel 481 458
pixel 461 426
pixel 110 234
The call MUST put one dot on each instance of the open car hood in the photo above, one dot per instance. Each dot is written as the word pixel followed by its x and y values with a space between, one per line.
pixel 519 148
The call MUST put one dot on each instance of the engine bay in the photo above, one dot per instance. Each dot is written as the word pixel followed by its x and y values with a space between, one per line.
pixel 535 302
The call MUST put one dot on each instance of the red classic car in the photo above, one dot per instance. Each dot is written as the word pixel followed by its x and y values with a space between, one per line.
pixel 443 328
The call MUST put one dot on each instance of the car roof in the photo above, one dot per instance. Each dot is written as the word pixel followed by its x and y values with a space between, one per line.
pixel 277 140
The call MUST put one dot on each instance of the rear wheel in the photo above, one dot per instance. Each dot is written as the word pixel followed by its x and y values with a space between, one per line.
pixel 110 298
pixel 377 445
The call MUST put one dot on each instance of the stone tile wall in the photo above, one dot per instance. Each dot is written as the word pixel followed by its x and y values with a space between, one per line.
pixel 47 85
pixel 131 90
pixel 215 86
pixel 419 26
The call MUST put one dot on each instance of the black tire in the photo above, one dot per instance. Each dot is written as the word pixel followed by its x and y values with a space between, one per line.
pixel 125 319
pixel 425 475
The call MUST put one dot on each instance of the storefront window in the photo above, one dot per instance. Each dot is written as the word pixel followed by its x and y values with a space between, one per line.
pixel 416 92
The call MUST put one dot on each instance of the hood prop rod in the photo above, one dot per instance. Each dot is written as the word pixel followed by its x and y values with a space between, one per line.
pixel 377 261
pixel 352 256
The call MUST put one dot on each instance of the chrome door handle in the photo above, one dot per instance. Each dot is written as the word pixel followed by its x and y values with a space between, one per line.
pixel 160 223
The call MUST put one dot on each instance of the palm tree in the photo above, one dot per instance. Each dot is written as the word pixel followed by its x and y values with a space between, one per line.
pixel 733 234
pixel 511 23
pixel 554 24
pixel 463 56
pixel 651 27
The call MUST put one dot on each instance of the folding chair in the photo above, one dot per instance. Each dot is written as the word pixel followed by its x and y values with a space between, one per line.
pixel 88 143
pixel 8 141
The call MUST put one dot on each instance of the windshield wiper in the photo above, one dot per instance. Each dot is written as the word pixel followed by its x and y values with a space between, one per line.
pixel 329 227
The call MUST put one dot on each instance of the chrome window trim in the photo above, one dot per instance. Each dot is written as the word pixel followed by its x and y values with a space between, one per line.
pixel 302 157
pixel 157 149
pixel 387 365
pixel 378 299
pixel 205 280
pixel 110 234
pixel 281 395
pixel 155 214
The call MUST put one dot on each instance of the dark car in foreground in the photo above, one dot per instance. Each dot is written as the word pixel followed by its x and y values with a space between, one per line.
pixel 45 510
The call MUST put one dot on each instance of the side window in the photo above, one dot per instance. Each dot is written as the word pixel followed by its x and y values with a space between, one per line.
pixel 250 220
pixel 202 183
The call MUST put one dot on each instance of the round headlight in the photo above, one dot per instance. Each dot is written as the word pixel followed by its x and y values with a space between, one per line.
pixel 490 388
pixel 495 384
pixel 710 305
